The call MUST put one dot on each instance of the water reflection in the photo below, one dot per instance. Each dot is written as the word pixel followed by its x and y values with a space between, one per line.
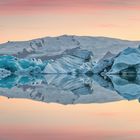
pixel 127 86
pixel 72 89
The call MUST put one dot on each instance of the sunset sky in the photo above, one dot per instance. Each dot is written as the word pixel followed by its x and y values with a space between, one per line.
pixel 28 19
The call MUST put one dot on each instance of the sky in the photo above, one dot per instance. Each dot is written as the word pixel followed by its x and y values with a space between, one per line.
pixel 28 19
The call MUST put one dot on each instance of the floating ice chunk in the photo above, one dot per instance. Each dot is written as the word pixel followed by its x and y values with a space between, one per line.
pixel 104 64
pixel 127 61
pixel 4 73
pixel 83 54
pixel 9 63
pixel 76 62
pixel 12 65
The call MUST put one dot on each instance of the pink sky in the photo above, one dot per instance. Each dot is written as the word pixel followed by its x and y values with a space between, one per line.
pixel 16 6
pixel 28 19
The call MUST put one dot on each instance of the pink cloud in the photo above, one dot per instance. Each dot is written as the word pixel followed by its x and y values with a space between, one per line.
pixel 11 6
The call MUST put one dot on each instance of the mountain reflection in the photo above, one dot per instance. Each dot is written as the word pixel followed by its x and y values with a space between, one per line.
pixel 72 89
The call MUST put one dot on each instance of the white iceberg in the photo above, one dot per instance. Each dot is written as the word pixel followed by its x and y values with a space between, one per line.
pixel 79 61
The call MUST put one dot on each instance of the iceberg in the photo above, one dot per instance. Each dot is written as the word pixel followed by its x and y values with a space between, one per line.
pixel 43 66
pixel 4 73
pixel 10 65
pixel 126 62
pixel 56 46
pixel 104 64
pixel 79 61
pixel 74 62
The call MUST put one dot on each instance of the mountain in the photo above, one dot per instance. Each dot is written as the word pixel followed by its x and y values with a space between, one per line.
pixel 54 47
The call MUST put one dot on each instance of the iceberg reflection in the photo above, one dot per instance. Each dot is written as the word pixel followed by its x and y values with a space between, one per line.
pixel 72 89
pixel 127 86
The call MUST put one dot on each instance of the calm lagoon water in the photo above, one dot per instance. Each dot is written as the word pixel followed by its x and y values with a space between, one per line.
pixel 69 107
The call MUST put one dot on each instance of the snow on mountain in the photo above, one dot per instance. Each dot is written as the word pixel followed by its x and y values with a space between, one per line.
pixel 55 46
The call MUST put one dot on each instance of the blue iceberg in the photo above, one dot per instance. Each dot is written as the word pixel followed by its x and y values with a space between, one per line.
pixel 79 61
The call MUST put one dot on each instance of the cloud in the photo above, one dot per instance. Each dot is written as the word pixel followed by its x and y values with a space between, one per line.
pixel 15 6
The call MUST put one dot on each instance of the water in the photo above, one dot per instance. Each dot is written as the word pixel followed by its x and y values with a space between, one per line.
pixel 65 107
